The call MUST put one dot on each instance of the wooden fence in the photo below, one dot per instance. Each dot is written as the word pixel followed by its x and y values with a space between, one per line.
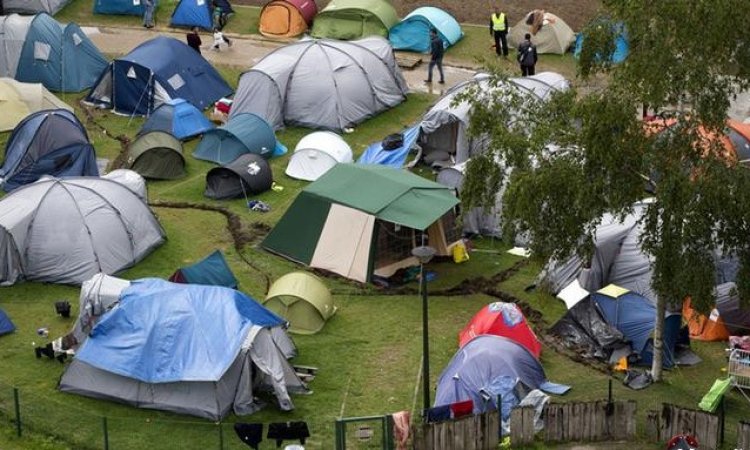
pixel 743 435
pixel 672 420
pixel 477 432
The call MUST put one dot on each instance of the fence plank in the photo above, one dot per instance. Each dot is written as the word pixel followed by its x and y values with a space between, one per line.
pixel 710 440
pixel 652 425
pixel 743 435
pixel 631 408
pixel 492 436
pixel 528 424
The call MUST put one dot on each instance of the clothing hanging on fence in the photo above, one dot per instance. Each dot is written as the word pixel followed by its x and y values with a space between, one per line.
pixel 287 431
pixel 250 433
pixel 461 409
pixel 439 413
pixel 401 429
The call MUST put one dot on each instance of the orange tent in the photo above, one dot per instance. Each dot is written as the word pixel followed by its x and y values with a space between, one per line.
pixel 736 138
pixel 286 18
pixel 704 328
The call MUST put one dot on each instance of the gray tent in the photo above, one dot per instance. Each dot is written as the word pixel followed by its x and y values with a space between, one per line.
pixel 322 84
pixel 51 7
pixel 66 230
pixel 249 174
pixel 476 221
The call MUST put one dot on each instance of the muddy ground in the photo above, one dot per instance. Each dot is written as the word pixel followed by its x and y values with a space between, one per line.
pixel 575 12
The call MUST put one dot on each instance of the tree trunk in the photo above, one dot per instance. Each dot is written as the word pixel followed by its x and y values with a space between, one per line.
pixel 657 364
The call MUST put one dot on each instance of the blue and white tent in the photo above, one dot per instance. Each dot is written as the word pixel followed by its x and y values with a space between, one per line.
pixel 178 118
pixel 413 32
pixel 197 13
pixel 38 49
pixel 155 72
pixel 122 7
pixel 6 325
pixel 190 349
pixel 50 142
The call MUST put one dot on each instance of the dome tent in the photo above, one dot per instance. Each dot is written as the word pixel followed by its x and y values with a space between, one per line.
pixel 51 142
pixel 323 84
pixel 107 228
pixel 18 100
pixel 303 300
pixel 157 155
pixel 286 18
pixel 131 180
pixel 243 133
pixel 197 13
pixel 50 7
pixel 482 221
pixel 413 32
pixel 316 154
pixel 354 19
pixel 548 32
pixel 212 270
pixel 6 325
pixel 501 319
pixel 179 118
pixel 38 49
pixel 121 7
pixel 248 174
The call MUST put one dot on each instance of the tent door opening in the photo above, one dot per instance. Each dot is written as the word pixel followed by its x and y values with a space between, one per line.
pixel 278 20
pixel 393 247
pixel 443 139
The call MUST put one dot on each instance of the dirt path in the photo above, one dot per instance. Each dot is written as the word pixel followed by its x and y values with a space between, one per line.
pixel 246 51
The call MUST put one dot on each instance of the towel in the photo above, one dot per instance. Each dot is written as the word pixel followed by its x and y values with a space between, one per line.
pixel 401 429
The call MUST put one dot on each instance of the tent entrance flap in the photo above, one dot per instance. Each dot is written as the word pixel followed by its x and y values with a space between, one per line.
pixel 343 246
pixel 134 95
pixel 278 19
pixel 393 247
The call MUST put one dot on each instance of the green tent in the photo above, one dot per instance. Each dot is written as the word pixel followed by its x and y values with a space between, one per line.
pixel 354 19
pixel 303 300
pixel 157 155
pixel 359 220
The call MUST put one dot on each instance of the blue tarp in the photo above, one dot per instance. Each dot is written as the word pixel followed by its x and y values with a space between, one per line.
pixel 212 270
pixel 635 317
pixel 6 325
pixel 197 13
pixel 413 32
pixel 166 332
pixel 128 7
pixel 622 48
pixel 61 58
pixel 244 133
pixel 179 118
pixel 374 154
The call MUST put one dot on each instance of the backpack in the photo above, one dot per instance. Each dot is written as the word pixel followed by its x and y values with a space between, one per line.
pixel 393 141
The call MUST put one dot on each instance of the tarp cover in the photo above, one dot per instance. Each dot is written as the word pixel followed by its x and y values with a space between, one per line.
pixel 158 341
pixel 375 154
pixel 583 329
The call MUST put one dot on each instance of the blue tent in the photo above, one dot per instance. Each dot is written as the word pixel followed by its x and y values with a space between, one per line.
pixel 125 7
pixel 6 325
pixel 244 133
pixel 49 142
pixel 164 332
pixel 197 13
pixel 212 270
pixel 178 118
pixel 622 48
pixel 156 71
pixel 635 317
pixel 375 154
pixel 62 58
pixel 413 32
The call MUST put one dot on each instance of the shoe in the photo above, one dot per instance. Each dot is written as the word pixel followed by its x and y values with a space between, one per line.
pixel 441 81
pixel 38 352
pixel 229 43
pixel 428 81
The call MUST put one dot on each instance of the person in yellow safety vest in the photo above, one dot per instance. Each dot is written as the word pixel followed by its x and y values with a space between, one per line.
pixel 499 30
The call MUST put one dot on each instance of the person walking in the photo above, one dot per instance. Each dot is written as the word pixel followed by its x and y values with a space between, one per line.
pixel 499 30
pixel 148 13
pixel 436 56
pixel 527 56
pixel 219 16
pixel 219 39
pixel 194 40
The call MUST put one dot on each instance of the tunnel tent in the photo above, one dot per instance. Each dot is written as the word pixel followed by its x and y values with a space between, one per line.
pixel 413 32
pixel 157 155
pixel 303 300
pixel 179 118
pixel 247 175
pixel 212 270
pixel 354 19
pixel 243 133
pixel 286 18
pixel 197 13
pixel 18 100
pixel 316 153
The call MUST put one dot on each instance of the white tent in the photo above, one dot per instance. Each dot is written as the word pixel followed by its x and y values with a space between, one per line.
pixel 18 100
pixel 548 32
pixel 316 154
pixel 131 180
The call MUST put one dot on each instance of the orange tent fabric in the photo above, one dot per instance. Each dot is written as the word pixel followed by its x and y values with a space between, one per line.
pixel 704 328
pixel 286 18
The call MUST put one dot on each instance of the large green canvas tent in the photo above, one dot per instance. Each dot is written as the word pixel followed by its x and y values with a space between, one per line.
pixel 360 220
pixel 354 19
pixel 303 300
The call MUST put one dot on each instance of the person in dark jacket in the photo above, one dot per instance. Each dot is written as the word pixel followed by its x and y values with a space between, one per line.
pixel 194 40
pixel 499 30
pixel 436 56
pixel 527 56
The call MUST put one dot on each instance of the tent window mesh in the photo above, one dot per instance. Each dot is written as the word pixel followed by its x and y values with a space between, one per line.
pixel 394 243
pixel 450 225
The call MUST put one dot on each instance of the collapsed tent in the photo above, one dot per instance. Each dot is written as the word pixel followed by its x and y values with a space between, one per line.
pixel 179 118
pixel 227 349
pixel 155 72
pixel 121 7
pixel 286 18
pixel 621 50
pixel 354 19
pixel 548 32
pixel 242 134
pixel 38 49
pixel 249 174
pixel 413 32
pixel 393 156
pixel 584 330
pixel 444 128
pixel 197 13
pixel 51 142
pixel 303 300
pixel 501 319
pixel 212 270
pixel 18 100
pixel 324 84
pixel 66 230
pixel 6 325
pixel 316 153
pixel 364 220
pixel 50 7
pixel 157 155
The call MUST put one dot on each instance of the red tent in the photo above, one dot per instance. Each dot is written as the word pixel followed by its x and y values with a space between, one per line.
pixel 501 319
